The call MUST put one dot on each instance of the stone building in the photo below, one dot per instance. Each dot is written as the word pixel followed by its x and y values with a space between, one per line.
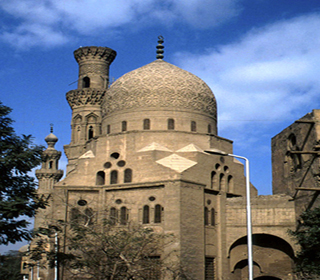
pixel 137 150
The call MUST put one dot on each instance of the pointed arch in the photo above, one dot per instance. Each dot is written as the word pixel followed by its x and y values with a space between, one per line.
pixel 193 127
pixel 222 182
pixel 146 214
pixel 86 82
pixel 128 175
pixel 114 177
pixel 113 217
pixel 100 178
pixel 171 125
pixel 206 216
pixel 123 215
pixel 230 187
pixel 146 124
pixel 213 180
pixel 158 213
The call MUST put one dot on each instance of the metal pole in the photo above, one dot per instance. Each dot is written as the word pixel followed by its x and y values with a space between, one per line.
pixel 249 222
pixel 56 258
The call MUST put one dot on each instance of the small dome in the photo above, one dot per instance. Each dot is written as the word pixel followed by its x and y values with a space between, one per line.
pixel 158 85
pixel 51 138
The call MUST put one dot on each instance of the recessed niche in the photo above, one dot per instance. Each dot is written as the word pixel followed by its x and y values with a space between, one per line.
pixel 115 155
pixel 118 201
pixel 121 163
pixel 82 202
pixel 107 164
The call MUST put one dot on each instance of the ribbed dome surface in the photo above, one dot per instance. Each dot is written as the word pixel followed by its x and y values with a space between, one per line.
pixel 159 85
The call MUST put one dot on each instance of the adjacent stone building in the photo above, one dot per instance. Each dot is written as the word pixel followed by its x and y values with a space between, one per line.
pixel 137 151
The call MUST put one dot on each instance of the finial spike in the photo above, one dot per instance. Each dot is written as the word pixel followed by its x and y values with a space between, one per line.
pixel 51 127
pixel 160 48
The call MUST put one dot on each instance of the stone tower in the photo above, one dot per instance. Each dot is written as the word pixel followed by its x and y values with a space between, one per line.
pixel 48 176
pixel 86 100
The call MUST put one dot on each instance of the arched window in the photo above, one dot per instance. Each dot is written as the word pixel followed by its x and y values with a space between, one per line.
pixel 171 124
pixel 193 126
pixel 86 82
pixel 123 215
pixel 90 132
pixel 146 215
pixel 114 177
pixel 88 217
pixel 113 216
pixel 108 129
pixel 213 217
pixel 124 126
pixel 75 215
pixel 209 129
pixel 146 124
pixel 157 213
pixel 230 184
pixel 128 176
pixel 50 164
pixel 206 216
pixel 100 180
pixel 213 180
pixel 78 134
pixel 222 182
pixel 79 217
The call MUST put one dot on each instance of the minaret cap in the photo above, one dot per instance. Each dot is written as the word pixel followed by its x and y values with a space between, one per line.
pixel 51 139
pixel 160 48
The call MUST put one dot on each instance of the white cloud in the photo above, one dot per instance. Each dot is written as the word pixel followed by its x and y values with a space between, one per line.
pixel 270 74
pixel 60 18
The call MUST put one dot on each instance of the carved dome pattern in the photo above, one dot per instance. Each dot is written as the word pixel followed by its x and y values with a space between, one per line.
pixel 159 85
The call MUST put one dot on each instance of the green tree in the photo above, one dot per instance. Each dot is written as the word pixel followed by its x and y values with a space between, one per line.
pixel 307 235
pixel 18 197
pixel 10 266
pixel 103 251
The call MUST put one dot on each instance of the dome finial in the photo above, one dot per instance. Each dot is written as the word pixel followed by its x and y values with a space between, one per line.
pixel 160 48
pixel 51 127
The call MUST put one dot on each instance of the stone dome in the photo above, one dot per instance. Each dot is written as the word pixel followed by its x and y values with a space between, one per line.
pixel 160 85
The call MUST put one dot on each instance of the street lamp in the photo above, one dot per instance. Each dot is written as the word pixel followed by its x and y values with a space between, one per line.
pixel 249 224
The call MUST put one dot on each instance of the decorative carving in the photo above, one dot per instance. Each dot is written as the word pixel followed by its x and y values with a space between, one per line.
pixel 80 97
pixel 101 53
pixel 41 175
pixel 160 84
pixel 94 68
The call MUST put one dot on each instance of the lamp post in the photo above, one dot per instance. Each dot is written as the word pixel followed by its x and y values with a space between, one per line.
pixel 249 224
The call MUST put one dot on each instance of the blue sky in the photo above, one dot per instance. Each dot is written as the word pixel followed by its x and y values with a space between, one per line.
pixel 261 58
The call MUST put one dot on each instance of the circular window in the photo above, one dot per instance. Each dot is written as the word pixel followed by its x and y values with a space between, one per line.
pixel 115 155
pixel 118 201
pixel 107 165
pixel 121 163
pixel 82 202
pixel 152 198
pixel 222 159
pixel 208 201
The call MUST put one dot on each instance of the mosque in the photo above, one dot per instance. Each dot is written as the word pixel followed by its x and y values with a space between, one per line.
pixel 137 150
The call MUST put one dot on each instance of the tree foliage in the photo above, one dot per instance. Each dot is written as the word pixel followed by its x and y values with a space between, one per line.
pixel 10 265
pixel 18 198
pixel 308 237
pixel 103 251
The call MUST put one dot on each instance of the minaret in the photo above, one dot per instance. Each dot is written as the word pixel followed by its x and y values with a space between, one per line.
pixel 48 175
pixel 86 100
